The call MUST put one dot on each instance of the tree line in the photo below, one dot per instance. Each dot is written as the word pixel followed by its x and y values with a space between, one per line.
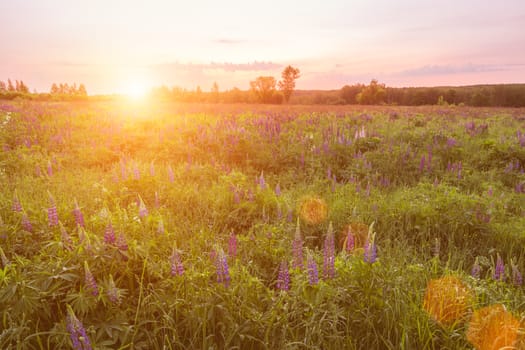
pixel 61 91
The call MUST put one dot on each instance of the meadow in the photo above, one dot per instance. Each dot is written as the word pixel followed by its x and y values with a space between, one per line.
pixel 167 226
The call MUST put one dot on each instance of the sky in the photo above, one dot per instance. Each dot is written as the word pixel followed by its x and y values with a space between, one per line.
pixel 116 46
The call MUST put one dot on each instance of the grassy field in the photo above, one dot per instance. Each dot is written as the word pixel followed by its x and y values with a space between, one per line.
pixel 135 226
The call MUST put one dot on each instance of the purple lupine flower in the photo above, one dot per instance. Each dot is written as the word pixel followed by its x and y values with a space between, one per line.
pixel 289 216
pixel 26 224
pixel 152 169
pixel 329 173
pixel 49 169
pixel 349 241
pixel 370 253
pixel 112 292
pixel 79 217
pixel 157 200
pixel 121 243
pixel 232 245
pixel 66 238
pixel 160 227
pixel 171 175
pixel 262 183
pixel 517 278
pixel 278 190
pixel 143 211
pixel 136 172
pixel 476 269
pixel 3 258
pixel 297 248
pixel 17 207
pixel 236 196
pixel 313 274
pixel 283 280
pixel 52 212
pixel 89 280
pixel 490 192
pixel 422 164
pixel 223 271
pixel 499 270
pixel 109 234
pixel 177 269
pixel 123 171
pixel 77 332
pixel 329 254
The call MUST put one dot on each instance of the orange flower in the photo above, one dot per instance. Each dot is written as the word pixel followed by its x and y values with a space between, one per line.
pixel 447 300
pixel 313 210
pixel 493 328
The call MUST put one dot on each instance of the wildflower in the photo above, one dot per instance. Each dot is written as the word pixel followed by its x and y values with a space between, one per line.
pixel 171 176
pixel 278 190
pixel 370 253
pixel 447 300
pixel 112 292
pixel 517 278
pixel 3 258
pixel 176 264
pixel 26 224
pixel 349 243
pixel 476 269
pixel 223 271
pixel 52 213
pixel 17 207
pixel 232 245
pixel 313 210
pixel 136 172
pixel 289 216
pixel 499 270
pixel 79 217
pixel 297 248
pixel 160 227
pixel 422 164
pixel 283 280
pixel 262 183
pixel 157 200
pixel 121 243
pixel 49 169
pixel 109 234
pixel 493 328
pixel 313 274
pixel 329 254
pixel 66 239
pixel 143 211
pixel 90 280
pixel 77 332
pixel 152 169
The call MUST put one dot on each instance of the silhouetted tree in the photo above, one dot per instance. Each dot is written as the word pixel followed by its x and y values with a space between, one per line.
pixel 82 90
pixel 287 84
pixel 54 89
pixel 349 93
pixel 3 87
pixel 263 88
pixel 372 94
pixel 10 86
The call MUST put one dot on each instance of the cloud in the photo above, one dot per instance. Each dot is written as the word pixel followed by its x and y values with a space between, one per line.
pixel 224 66
pixel 456 69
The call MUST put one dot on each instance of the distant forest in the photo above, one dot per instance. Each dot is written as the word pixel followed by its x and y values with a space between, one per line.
pixel 375 93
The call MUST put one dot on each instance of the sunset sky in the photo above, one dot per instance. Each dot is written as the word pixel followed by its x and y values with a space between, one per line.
pixel 112 46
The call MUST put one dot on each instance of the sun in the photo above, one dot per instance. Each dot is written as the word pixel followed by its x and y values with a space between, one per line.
pixel 136 90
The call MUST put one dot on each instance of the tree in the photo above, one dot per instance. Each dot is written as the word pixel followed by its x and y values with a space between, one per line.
pixel 263 88
pixel 372 94
pixel 287 84
pixel 10 86
pixel 215 92
pixel 23 87
pixel 349 93
pixel 3 87
pixel 54 89
pixel 82 90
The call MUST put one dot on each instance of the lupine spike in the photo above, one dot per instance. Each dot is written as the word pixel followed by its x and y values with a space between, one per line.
pixel 152 169
pixel 79 217
pixel 26 223
pixel 77 332
pixel 262 182
pixel 223 272
pixel 109 234
pixel 329 254
pixel 89 279
pixel 283 280
pixel 177 269
pixel 476 269
pixel 66 238
pixel 278 190
pixel 17 207
pixel 517 277
pixel 52 212
pixel 171 176
pixel 160 227
pixel 121 243
pixel 370 253
pixel 232 245
pixel 313 273
pixel 143 211
pixel 112 293
pixel 499 270
pixel 350 240
pixel 297 248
